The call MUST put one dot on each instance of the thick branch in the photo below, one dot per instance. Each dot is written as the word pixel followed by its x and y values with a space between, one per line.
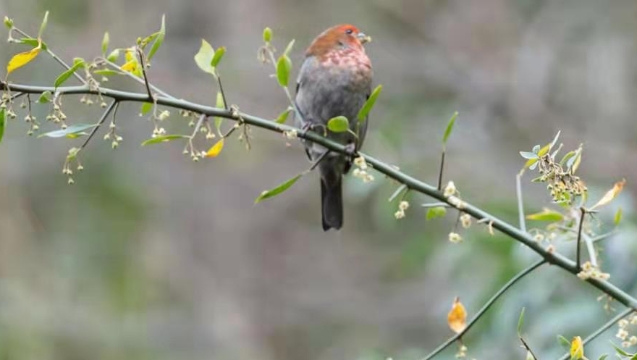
pixel 384 168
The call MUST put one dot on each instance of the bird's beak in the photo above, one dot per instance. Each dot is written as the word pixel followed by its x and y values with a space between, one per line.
pixel 364 38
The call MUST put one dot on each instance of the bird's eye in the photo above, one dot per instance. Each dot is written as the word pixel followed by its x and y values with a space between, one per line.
pixel 349 31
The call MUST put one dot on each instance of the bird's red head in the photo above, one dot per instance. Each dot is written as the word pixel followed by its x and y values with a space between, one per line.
pixel 338 37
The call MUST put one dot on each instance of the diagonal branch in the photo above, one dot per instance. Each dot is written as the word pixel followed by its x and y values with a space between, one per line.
pixel 389 170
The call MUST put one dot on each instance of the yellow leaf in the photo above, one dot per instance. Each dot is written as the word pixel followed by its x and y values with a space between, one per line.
pixel 611 194
pixel 577 348
pixel 23 58
pixel 130 66
pixel 215 149
pixel 457 317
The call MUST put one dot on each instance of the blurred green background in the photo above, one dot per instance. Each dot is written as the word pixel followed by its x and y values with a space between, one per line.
pixel 151 256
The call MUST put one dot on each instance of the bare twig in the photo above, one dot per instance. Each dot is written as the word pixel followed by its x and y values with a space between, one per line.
pixel 142 62
pixel 111 106
pixel 518 191
pixel 578 259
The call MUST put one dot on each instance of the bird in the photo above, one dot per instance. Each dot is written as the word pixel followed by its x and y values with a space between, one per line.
pixel 334 80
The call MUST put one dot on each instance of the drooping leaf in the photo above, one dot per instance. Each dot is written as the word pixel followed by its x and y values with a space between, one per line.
pixel 204 57
pixel 164 138
pixel 21 59
pixel 267 35
pixel 546 215
pixel 68 73
pixel 436 212
pixel 577 348
pixel 218 119
pixel 457 317
pixel 215 150
pixel 369 104
pixel 283 68
pixel 43 25
pixel 520 321
pixel 3 117
pixel 610 194
pixel 105 42
pixel 283 116
pixel 33 42
pixel 338 124
pixel 218 56
pixel 71 130
pixel 45 98
pixel 146 107
pixel 160 38
pixel 618 216
pixel 277 190
pixel 449 128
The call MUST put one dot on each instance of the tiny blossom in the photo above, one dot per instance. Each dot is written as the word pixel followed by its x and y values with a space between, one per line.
pixel 399 214
pixel 361 163
pixel 625 344
pixel 404 205
pixel 465 220
pixel 71 181
pixel 633 340
pixel 164 115
pixel 622 334
pixel 550 249
pixel 623 323
pixel 538 237
pixel 455 237
pixel 450 189
pixel 290 134
pixel 368 178
pixel 633 319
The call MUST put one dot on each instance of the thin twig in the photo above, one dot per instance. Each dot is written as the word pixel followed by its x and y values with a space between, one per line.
pixel 223 93
pixel 142 62
pixel 518 191
pixel 138 79
pixel 436 204
pixel 400 189
pixel 486 307
pixel 601 330
pixel 442 168
pixel 318 161
pixel 108 110
pixel 527 347
pixel 578 260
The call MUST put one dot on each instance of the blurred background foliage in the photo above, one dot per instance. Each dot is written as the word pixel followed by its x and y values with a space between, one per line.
pixel 152 256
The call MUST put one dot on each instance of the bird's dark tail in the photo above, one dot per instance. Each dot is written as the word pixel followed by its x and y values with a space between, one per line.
pixel 332 201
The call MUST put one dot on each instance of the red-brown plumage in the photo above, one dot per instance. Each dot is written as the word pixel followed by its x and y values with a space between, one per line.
pixel 334 80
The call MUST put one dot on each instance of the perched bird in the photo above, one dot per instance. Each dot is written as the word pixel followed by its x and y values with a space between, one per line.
pixel 335 80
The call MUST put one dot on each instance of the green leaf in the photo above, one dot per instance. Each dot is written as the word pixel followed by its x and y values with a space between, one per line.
pixel 146 107
pixel 563 342
pixel 283 116
pixel 436 212
pixel 33 42
pixel 43 25
pixel 546 215
pixel 45 98
pixel 71 130
pixel 277 190
pixel 267 34
pixel 449 128
pixel 521 321
pixel 204 57
pixel 603 357
pixel 618 216
pixel 113 56
pixel 283 68
pixel 107 72
pixel 2 122
pixel 219 119
pixel 8 22
pixel 288 48
pixel 620 351
pixel 338 124
pixel 68 73
pixel 160 38
pixel 557 136
pixel 165 138
pixel 528 155
pixel 369 104
pixel 567 157
pixel 218 56
pixel 105 42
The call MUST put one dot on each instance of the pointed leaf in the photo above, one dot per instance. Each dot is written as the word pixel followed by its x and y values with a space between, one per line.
pixel 529 155
pixel 338 124
pixel 160 38
pixel 457 317
pixel 113 56
pixel 520 321
pixel 33 42
pixel 610 194
pixel 219 119
pixel 567 157
pixel 603 357
pixel 21 59
pixel 563 342
pixel 73 129
pixel 105 42
pixel 43 25
pixel 536 149
pixel 218 56
pixel 288 48
pixel 162 139
pixel 546 215
pixel 449 128
pixel 369 104
pixel 283 116
pixel 436 212
pixel 215 150
pixel 283 68
pixel 45 98
pixel 557 136
pixel 277 190
pixel 620 351
pixel 146 107
pixel 107 72
pixel 3 117
pixel 68 73
pixel 204 57
pixel 618 216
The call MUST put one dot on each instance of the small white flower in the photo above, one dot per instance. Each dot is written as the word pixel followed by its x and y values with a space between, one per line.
pixel 361 163
pixel 465 220
pixel 404 205
pixel 399 214
pixel 290 134
pixel 164 115
pixel 622 334
pixel 455 237
pixel 450 189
